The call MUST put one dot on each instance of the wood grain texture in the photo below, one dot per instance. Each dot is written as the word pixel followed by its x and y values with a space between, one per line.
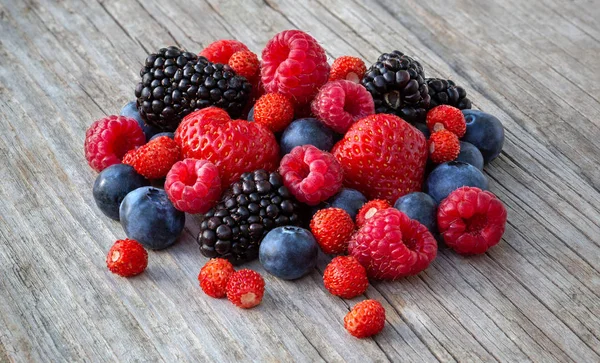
pixel 534 297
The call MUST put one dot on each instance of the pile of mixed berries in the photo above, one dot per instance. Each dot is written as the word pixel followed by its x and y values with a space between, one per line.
pixel 285 156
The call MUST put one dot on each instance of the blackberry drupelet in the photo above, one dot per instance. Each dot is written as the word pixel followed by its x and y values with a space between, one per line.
pixel 175 83
pixel 446 92
pixel 250 208
pixel 397 84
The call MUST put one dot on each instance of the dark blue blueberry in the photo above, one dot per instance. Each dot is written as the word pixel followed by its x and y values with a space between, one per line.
pixel 485 132
pixel 448 177
pixel 350 200
pixel 149 217
pixel 288 252
pixel 419 206
pixel 251 114
pixel 306 131
pixel 130 110
pixel 470 154
pixel 113 184
pixel 169 134
pixel 423 128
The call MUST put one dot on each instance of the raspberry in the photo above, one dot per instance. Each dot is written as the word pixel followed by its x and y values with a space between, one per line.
pixel 108 139
pixel 443 146
pixel 383 157
pixel 234 146
pixel 214 275
pixel 391 245
pixel 127 258
pixel 246 64
pixel 471 220
pixel 369 209
pixel 245 288
pixel 366 318
pixel 274 110
pixel 310 174
pixel 193 185
pixel 341 103
pixel 345 277
pixel 221 50
pixel 332 228
pixel 155 159
pixel 346 67
pixel 295 65
pixel 446 117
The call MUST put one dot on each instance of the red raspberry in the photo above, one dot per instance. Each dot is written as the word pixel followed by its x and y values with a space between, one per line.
pixel 443 146
pixel 369 209
pixel 274 110
pixel 108 139
pixel 245 288
pixel 346 67
pixel 310 174
pixel 295 65
pixel 234 146
pixel 471 220
pixel 127 258
pixel 332 228
pixel 383 157
pixel 221 50
pixel 366 318
pixel 447 117
pixel 391 245
pixel 345 277
pixel 193 185
pixel 214 275
pixel 246 64
pixel 341 103
pixel 155 159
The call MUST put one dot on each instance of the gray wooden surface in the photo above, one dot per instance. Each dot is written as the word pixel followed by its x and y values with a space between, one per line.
pixel 534 297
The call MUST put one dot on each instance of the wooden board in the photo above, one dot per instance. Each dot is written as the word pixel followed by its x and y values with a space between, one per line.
pixel 534 297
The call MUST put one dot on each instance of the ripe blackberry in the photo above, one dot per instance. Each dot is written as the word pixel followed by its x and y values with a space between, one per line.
pixel 397 83
pixel 175 83
pixel 446 92
pixel 250 208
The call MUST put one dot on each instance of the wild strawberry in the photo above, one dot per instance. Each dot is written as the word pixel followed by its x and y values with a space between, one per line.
pixel 350 68
pixel 214 275
pixel 369 209
pixel 366 318
pixel 221 50
pixel 345 277
pixel 274 110
pixel 155 159
pixel 246 64
pixel 332 228
pixel 445 117
pixel 127 258
pixel 443 146
pixel 245 288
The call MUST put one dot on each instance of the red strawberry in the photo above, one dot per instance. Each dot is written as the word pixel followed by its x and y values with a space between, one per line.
pixel 332 228
pixel 345 277
pixel 445 117
pixel 366 318
pixel 383 157
pixel 155 159
pixel 369 209
pixel 245 288
pixel 214 275
pixel 274 110
pixel 220 51
pixel 246 64
pixel 346 67
pixel 443 146
pixel 127 258
pixel 234 146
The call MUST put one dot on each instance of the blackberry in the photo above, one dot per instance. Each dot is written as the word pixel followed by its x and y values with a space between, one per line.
pixel 397 83
pixel 175 83
pixel 446 92
pixel 250 208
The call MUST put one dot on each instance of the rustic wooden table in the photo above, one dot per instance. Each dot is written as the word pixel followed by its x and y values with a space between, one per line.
pixel 535 296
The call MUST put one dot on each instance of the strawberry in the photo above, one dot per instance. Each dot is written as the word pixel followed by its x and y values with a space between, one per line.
pixel 345 277
pixel 332 228
pixel 214 275
pixel 366 318
pixel 443 146
pixel 245 288
pixel 234 146
pixel 346 67
pixel 127 258
pixel 274 110
pixel 155 159
pixel 246 64
pixel 445 117
pixel 383 157
pixel 369 209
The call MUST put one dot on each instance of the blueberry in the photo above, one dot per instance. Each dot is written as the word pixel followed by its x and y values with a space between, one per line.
pixel 447 177
pixel 419 206
pixel 251 114
pixel 288 252
pixel 485 132
pixel 130 110
pixel 307 131
pixel 148 217
pixel 423 128
pixel 113 184
pixel 348 199
pixel 470 154
pixel 169 134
